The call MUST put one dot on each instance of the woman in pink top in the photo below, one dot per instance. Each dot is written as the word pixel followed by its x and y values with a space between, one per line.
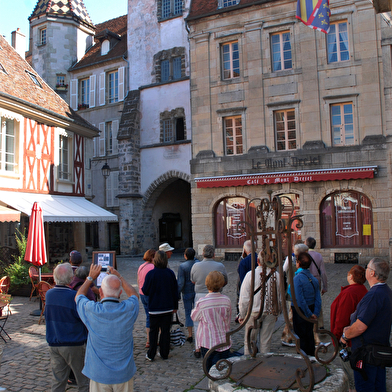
pixel 141 276
pixel 214 314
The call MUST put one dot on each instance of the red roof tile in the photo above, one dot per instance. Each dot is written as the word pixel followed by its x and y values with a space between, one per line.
pixel 118 26
pixel 16 83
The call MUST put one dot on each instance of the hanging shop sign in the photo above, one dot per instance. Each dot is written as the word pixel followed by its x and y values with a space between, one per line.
pixel 350 173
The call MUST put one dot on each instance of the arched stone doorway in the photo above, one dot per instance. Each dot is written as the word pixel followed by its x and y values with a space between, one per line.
pixel 167 203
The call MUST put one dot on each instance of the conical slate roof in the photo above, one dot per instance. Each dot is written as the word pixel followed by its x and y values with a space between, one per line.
pixel 64 8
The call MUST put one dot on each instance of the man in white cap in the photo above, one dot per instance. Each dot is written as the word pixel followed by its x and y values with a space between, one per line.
pixel 165 247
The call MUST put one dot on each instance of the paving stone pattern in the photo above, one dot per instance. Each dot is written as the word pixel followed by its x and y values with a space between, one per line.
pixel 25 366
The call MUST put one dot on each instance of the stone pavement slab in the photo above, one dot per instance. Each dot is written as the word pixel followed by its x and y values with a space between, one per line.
pixel 25 365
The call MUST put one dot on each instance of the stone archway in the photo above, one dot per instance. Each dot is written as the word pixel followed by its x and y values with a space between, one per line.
pixel 167 210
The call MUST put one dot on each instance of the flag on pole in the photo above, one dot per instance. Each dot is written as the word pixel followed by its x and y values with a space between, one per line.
pixel 314 13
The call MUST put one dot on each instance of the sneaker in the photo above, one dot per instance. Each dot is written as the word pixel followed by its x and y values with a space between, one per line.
pixel 324 344
pixel 288 344
pixel 148 358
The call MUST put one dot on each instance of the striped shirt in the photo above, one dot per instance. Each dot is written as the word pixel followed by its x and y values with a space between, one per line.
pixel 214 314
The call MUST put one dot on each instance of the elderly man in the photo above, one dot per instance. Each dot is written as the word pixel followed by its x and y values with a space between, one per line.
pixel 271 306
pixel 371 324
pixel 199 273
pixel 65 331
pixel 167 249
pixel 245 264
pixel 109 359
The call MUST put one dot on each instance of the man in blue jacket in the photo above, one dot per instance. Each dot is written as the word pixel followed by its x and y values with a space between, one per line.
pixel 109 361
pixel 65 332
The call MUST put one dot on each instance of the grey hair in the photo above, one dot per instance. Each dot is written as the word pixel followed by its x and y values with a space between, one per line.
pixel 63 274
pixel 107 286
pixel 381 268
pixel 248 246
pixel 209 251
pixel 299 248
pixel 82 272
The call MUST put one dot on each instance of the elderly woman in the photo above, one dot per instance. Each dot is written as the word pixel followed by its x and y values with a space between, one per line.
pixel 214 314
pixel 141 275
pixel 161 287
pixel 308 298
pixel 298 247
pixel 343 306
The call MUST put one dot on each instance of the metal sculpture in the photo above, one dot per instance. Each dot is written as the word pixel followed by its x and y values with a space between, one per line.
pixel 271 228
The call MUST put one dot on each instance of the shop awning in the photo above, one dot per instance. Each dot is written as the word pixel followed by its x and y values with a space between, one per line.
pixel 57 208
pixel 9 214
pixel 350 173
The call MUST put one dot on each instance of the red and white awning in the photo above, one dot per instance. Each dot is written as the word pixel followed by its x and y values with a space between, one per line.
pixel 350 173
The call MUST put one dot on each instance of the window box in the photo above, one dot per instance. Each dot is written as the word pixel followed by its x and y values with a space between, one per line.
pixel 83 106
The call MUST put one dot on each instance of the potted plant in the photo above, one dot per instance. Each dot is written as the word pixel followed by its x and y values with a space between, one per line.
pixel 18 271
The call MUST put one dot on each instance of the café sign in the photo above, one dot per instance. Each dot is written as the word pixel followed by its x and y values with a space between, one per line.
pixel 287 177
pixel 294 162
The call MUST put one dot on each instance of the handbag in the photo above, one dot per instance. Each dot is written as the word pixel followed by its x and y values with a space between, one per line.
pixel 379 355
pixel 177 337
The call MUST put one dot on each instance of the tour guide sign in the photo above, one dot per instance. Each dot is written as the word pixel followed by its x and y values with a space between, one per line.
pixel 104 258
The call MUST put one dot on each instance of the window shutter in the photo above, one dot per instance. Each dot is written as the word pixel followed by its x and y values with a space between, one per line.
pixel 92 90
pixel 109 191
pixel 116 200
pixel 114 137
pixel 74 94
pixel 102 88
pixel 102 151
pixel 121 83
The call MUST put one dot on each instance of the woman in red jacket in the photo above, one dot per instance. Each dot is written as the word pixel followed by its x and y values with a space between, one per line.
pixel 344 305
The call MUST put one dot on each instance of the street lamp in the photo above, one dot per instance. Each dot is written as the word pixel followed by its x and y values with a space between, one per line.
pixel 105 170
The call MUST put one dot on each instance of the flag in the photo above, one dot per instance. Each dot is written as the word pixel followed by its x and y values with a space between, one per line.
pixel 314 13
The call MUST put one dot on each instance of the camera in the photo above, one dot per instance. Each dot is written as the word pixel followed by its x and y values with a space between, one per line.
pixel 105 268
pixel 344 354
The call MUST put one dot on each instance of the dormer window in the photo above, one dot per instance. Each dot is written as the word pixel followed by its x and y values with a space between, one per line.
pixel 227 3
pixel 2 69
pixel 105 47
pixel 34 78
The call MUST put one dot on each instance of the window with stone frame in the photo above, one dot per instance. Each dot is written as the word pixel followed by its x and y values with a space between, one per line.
pixel 285 130
pixel 230 60
pixel 234 144
pixel 172 126
pixel 337 42
pixel 342 122
pixel 42 36
pixel 169 9
pixel 281 51
pixel 169 65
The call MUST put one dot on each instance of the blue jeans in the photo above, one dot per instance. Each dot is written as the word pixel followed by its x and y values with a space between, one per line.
pixel 144 299
pixel 189 300
pixel 376 381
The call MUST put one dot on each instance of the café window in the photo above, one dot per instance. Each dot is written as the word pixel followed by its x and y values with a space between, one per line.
pixel 229 212
pixel 346 220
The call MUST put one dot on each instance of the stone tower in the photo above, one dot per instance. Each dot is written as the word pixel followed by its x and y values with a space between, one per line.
pixel 60 33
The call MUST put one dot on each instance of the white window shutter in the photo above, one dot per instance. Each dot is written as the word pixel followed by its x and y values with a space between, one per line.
pixel 116 200
pixel 102 88
pixel 92 90
pixel 121 83
pixel 102 150
pixel 114 137
pixel 74 94
pixel 109 191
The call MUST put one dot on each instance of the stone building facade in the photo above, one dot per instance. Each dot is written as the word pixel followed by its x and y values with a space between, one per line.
pixel 154 137
pixel 281 109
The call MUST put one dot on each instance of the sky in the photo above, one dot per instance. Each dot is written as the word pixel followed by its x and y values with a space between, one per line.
pixel 15 14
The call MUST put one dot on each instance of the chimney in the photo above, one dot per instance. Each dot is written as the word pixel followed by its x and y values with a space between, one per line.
pixel 18 41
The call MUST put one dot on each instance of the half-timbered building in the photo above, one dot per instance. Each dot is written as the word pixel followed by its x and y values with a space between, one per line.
pixel 42 158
